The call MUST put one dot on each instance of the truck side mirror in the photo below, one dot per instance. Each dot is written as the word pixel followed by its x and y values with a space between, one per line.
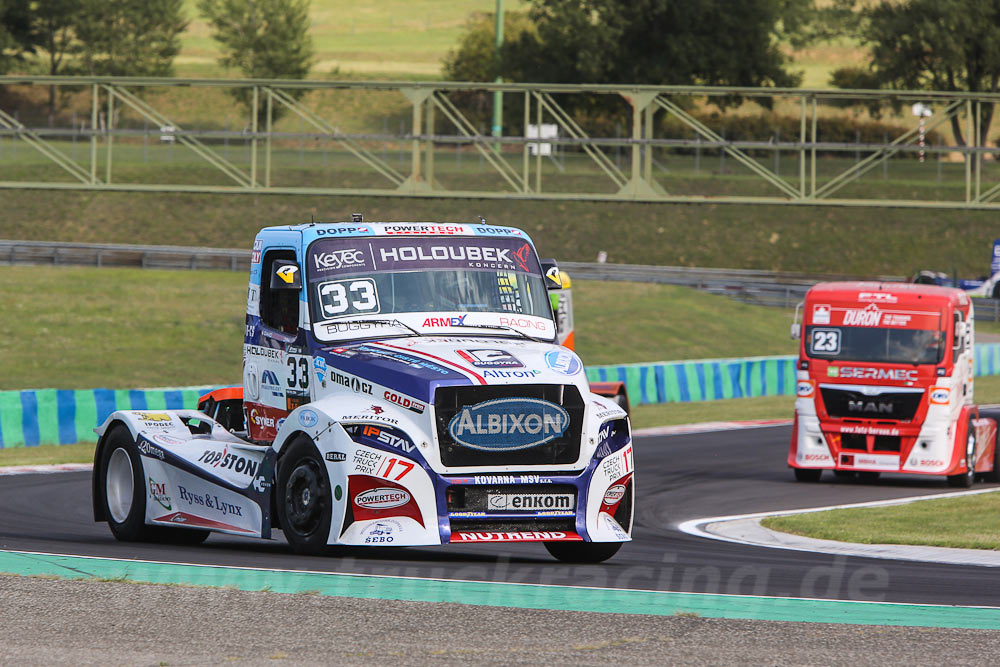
pixel 796 329
pixel 960 328
pixel 553 276
pixel 285 275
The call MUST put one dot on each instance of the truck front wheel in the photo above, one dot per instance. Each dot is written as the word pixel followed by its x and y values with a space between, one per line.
pixel 120 480
pixel 964 480
pixel 583 552
pixel 304 501
pixel 808 474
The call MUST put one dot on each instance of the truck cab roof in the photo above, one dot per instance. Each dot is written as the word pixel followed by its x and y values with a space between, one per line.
pixel 888 292
pixel 315 230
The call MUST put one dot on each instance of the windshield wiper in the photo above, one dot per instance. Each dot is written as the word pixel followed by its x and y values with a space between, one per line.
pixel 501 327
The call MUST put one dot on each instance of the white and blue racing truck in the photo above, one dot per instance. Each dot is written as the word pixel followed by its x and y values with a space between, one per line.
pixel 402 386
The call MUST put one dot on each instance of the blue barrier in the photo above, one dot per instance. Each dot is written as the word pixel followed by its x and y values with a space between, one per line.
pixel 63 416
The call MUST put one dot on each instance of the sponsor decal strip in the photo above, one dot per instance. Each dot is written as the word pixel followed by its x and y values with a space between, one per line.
pixel 503 594
pixel 185 519
pixel 421 353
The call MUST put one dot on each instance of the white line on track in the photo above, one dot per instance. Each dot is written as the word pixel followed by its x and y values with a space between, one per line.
pixel 44 469
pixel 710 427
pixel 746 529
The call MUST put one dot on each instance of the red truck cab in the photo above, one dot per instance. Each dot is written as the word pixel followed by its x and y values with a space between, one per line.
pixel 885 384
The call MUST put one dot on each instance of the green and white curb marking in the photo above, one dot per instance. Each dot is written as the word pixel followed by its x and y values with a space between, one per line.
pixel 496 594
pixel 746 529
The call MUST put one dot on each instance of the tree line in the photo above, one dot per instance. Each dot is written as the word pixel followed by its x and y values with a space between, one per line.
pixel 951 45
pixel 262 39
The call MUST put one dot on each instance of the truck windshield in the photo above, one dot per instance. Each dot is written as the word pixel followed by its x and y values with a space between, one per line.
pixel 429 285
pixel 876 345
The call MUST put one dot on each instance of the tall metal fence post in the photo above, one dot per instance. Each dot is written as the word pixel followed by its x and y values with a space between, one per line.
pixel 94 97
pixel 254 112
pixel 526 163
pixel 418 105
pixel 802 147
pixel 107 126
pixel 777 151
pixel 968 155
pixel 812 152
pixel 269 129
pixel 429 144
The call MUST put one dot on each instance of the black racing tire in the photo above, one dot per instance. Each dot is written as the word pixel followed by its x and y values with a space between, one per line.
pixel 964 480
pixel 808 474
pixel 583 552
pixel 993 476
pixel 996 291
pixel 869 476
pixel 305 504
pixel 122 487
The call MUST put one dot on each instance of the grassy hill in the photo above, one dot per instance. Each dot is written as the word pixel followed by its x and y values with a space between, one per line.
pixel 401 38
pixel 127 328
pixel 861 242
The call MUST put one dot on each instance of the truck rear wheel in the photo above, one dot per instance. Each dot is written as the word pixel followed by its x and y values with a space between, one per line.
pixel 993 475
pixel 583 552
pixel 305 505
pixel 808 474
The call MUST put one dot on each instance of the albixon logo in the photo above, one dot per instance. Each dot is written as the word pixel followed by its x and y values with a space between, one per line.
pixel 508 424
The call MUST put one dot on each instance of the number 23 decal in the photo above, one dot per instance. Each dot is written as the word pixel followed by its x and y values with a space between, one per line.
pixel 825 341
pixel 298 372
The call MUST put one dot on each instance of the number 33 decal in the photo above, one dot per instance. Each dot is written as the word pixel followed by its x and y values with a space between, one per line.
pixel 298 372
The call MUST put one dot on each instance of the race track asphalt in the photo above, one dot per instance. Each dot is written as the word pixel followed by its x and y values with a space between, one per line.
pixel 679 477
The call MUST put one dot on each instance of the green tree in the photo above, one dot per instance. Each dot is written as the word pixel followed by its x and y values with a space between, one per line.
pixel 935 45
pixel 661 42
pixel 263 39
pixel 475 57
pixel 16 37
pixel 129 37
pixel 53 24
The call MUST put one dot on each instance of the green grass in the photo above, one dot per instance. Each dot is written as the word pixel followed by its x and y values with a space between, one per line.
pixel 861 242
pixel 79 328
pixel 128 328
pixel 971 522
pixel 46 454
pixel 371 36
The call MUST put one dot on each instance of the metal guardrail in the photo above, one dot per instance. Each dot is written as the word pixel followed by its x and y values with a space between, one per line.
pixel 122 255
pixel 765 288
pixel 619 168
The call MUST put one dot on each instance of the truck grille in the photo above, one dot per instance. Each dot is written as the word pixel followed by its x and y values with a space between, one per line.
pixel 476 498
pixel 854 404
pixel 558 451
pixel 513 525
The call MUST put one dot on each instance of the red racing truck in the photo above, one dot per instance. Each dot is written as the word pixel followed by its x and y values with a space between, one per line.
pixel 884 384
